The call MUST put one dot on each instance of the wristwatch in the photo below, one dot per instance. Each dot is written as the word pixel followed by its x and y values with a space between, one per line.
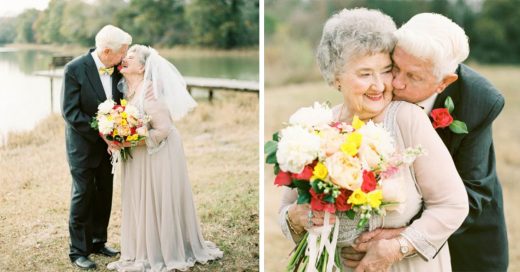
pixel 405 248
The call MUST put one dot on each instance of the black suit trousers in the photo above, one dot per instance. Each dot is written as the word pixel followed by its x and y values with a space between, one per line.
pixel 90 208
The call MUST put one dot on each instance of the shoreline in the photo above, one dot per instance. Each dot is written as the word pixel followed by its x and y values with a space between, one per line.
pixel 177 51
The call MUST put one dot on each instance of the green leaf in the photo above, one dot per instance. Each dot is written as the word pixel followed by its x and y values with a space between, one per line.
pixel 270 147
pixel 315 187
pixel 276 168
pixel 448 103
pixel 304 197
pixel 329 198
pixel 458 127
pixel 276 137
pixel 271 158
pixel 303 185
pixel 350 214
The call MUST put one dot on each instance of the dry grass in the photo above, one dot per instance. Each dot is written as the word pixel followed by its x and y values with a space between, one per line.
pixel 280 102
pixel 221 144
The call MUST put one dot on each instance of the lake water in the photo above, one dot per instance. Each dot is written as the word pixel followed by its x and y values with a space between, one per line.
pixel 25 99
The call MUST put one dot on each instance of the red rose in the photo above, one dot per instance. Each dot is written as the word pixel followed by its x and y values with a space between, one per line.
pixel 369 181
pixel 283 179
pixel 318 204
pixel 306 173
pixel 341 200
pixel 119 67
pixel 441 118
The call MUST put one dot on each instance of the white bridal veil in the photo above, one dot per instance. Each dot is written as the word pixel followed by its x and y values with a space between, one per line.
pixel 167 84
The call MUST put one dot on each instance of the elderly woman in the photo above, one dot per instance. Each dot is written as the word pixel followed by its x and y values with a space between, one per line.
pixel 159 226
pixel 354 58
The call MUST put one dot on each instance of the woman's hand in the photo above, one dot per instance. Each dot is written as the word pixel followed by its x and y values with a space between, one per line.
pixel 301 217
pixel 380 255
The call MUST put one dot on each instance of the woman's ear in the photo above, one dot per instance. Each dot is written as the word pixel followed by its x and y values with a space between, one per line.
pixel 141 70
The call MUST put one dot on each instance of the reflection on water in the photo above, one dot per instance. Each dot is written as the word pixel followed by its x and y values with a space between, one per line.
pixel 25 98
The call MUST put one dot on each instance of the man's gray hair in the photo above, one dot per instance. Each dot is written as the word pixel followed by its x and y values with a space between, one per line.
pixel 352 33
pixel 112 37
pixel 434 37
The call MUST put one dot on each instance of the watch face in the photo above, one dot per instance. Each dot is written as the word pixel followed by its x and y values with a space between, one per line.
pixel 404 249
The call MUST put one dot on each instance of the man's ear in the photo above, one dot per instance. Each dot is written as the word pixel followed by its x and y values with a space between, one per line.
pixel 446 81
pixel 106 51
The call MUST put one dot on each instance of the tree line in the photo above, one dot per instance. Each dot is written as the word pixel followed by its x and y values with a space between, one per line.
pixel 206 23
pixel 492 26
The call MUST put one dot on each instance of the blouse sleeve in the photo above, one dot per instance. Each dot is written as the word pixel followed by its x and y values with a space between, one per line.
pixel 443 193
pixel 160 124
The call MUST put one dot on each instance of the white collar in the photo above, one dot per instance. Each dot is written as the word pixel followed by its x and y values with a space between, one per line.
pixel 98 62
pixel 427 104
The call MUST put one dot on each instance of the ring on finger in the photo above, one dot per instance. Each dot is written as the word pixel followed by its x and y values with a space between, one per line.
pixel 310 224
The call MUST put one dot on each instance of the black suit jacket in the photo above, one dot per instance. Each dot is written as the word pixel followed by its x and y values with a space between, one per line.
pixel 82 92
pixel 480 244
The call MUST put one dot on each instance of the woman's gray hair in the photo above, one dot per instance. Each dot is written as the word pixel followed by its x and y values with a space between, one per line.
pixel 141 52
pixel 351 33
pixel 436 38
pixel 112 37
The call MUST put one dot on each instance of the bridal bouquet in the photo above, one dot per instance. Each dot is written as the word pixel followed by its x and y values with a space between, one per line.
pixel 337 168
pixel 120 123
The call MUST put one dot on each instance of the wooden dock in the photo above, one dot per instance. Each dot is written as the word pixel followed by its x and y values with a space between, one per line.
pixel 209 84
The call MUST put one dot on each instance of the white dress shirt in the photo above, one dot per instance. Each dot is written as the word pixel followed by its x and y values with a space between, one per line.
pixel 106 79
pixel 427 104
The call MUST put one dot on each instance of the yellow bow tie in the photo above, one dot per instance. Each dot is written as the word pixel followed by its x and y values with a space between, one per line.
pixel 104 70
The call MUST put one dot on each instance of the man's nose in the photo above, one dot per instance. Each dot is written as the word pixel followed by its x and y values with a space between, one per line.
pixel 397 82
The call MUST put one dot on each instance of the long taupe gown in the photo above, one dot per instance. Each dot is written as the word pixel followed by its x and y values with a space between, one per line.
pixel 160 230
pixel 432 181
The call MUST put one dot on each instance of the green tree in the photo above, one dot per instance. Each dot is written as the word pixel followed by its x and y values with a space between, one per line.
pixel 8 29
pixel 47 25
pixel 223 23
pixel 24 26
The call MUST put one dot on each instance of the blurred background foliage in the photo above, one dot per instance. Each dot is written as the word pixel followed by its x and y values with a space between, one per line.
pixel 293 30
pixel 223 24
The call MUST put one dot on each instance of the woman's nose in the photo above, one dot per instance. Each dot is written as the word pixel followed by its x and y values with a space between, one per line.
pixel 378 84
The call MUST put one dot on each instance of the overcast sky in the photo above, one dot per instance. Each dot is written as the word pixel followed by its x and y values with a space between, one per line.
pixel 13 8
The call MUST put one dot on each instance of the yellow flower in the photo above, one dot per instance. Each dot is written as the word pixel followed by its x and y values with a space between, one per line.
pixel 349 148
pixel 110 118
pixel 356 123
pixel 320 171
pixel 357 197
pixel 124 122
pixel 124 114
pixel 132 138
pixel 114 133
pixel 374 198
pixel 356 138
pixel 123 102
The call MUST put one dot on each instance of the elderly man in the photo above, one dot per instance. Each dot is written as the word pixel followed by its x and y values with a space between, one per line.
pixel 428 70
pixel 89 80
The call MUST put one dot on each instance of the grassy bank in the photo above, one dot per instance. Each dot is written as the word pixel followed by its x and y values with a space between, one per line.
pixel 178 51
pixel 222 152
pixel 281 102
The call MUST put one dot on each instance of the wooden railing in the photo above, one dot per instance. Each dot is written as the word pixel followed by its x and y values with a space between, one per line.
pixel 209 84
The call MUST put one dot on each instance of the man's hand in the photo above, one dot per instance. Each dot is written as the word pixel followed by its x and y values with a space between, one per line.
pixel 351 256
pixel 380 255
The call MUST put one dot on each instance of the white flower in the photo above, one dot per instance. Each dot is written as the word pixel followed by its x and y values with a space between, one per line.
pixel 344 170
pixel 106 107
pixel 331 140
pixel 105 126
pixel 142 131
pixel 319 115
pixel 377 144
pixel 394 191
pixel 132 111
pixel 297 148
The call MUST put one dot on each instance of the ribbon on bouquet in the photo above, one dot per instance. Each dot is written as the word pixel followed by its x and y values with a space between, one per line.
pixel 116 158
pixel 318 241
